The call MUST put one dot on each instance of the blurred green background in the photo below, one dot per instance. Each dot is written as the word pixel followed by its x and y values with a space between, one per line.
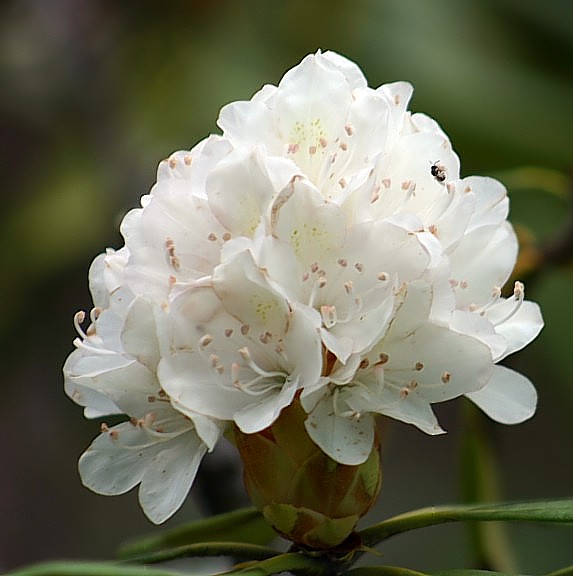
pixel 95 93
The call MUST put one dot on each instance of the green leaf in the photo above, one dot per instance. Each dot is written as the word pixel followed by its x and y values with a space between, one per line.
pixel 232 549
pixel 89 569
pixel 383 571
pixel 246 525
pixel 469 572
pixel 556 511
pixel 289 562
pixel 567 571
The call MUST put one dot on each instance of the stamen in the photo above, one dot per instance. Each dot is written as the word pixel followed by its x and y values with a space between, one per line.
pixel 205 340
pixel 94 314
pixel 173 259
pixel 79 318
pixel 382 359
pixel 265 337
pixel 148 420
pixel 262 375
pixel 518 296
pixel 328 314
pixel 375 195
pixel 364 363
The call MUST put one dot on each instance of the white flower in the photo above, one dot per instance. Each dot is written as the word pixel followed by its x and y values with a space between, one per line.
pixel 323 248
pixel 236 350
pixel 113 371
pixel 415 363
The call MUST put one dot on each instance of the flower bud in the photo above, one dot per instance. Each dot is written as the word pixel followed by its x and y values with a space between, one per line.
pixel 306 496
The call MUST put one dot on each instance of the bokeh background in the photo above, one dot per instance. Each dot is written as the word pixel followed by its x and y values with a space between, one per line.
pixel 95 93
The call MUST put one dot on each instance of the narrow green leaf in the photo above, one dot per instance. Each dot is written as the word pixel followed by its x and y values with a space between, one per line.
pixel 245 525
pixel 470 572
pixel 89 569
pixel 383 571
pixel 288 562
pixel 557 511
pixel 567 571
pixel 232 549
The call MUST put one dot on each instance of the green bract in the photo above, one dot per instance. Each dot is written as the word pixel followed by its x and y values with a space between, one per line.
pixel 305 495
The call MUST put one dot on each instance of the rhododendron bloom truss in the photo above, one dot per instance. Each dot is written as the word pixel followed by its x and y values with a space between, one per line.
pixel 323 250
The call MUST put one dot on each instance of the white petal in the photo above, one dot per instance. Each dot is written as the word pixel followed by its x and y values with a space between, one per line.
pixel 115 463
pixel 139 335
pixel 242 186
pixel 127 455
pixel 260 414
pixel 508 397
pixel 479 327
pixel 248 296
pixel 311 225
pixel 413 410
pixel 520 328
pixel 347 440
pixel 482 261
pixel 492 203
pixel 453 363
pixel 351 71
pixel 98 287
pixel 166 483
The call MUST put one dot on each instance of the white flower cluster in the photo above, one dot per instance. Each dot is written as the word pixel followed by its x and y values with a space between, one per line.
pixel 323 247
